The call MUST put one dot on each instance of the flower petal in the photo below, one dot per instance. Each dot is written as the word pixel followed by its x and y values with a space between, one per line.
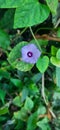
pixel 33 49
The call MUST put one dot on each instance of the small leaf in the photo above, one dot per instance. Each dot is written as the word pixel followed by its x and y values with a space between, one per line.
pixel 24 93
pixel 4 74
pixel 56 95
pixel 2 95
pixel 4 110
pixel 22 114
pixel 54 50
pixel 17 101
pixel 28 104
pixel 36 77
pixel 41 110
pixel 16 82
pixel 33 89
pixel 43 124
pixel 32 120
pixel 42 64
pixel 55 61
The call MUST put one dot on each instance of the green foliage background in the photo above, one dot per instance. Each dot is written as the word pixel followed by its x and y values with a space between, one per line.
pixel 29 93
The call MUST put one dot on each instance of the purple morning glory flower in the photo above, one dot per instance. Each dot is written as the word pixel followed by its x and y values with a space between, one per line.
pixel 30 53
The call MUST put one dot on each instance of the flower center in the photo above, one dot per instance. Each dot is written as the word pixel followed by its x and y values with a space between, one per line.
pixel 29 54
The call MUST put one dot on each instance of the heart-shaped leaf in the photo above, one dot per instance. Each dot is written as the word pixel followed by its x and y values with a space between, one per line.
pixel 30 14
pixel 55 61
pixel 14 58
pixel 42 64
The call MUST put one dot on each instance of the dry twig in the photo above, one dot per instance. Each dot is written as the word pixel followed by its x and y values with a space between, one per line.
pixel 47 37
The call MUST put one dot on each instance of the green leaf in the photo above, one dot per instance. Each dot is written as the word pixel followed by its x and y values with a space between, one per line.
pixel 4 74
pixel 33 89
pixel 4 110
pixel 58 76
pixel 2 95
pixel 53 50
pixel 42 64
pixel 17 101
pixel 58 69
pixel 22 114
pixel 58 54
pixel 32 120
pixel 7 20
pixel 55 61
pixel 16 82
pixel 36 78
pixel 13 3
pixel 0 127
pixel 52 4
pixel 41 110
pixel 24 93
pixel 56 95
pixel 58 32
pixel 4 40
pixel 30 14
pixel 19 125
pixel 43 124
pixel 9 3
pixel 15 56
pixel 28 104
pixel 2 118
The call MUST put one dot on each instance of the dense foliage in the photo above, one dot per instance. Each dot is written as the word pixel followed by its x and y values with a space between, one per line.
pixel 29 65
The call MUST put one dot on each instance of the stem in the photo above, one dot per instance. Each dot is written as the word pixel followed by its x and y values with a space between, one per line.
pixel 43 95
pixel 43 90
pixel 47 37
pixel 53 115
pixel 35 39
pixel 58 22
pixel 23 31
